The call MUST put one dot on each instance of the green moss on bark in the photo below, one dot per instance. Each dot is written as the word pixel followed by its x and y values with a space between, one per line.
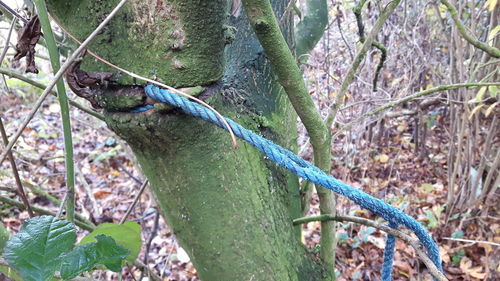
pixel 231 210
pixel 157 39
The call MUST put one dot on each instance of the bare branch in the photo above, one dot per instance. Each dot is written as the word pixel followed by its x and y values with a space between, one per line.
pixel 414 243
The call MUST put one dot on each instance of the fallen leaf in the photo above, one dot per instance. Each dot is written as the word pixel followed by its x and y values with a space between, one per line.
pixel 383 158
pixel 99 194
pixel 443 252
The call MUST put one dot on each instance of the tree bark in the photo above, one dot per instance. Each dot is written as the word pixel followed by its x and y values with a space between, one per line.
pixel 230 209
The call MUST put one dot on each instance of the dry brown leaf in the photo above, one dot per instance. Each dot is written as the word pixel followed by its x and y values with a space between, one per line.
pixel 28 37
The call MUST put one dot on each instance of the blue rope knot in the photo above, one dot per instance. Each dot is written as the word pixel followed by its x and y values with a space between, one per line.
pixel 309 172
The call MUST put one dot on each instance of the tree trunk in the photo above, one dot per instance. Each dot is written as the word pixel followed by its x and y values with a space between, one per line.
pixel 230 209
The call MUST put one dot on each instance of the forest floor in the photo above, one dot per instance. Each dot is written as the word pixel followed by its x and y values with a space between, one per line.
pixel 388 168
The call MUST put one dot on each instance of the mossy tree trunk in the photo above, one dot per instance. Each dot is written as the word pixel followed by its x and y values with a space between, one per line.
pixel 231 209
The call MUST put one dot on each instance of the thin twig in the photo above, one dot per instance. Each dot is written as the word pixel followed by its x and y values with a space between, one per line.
pixel 359 19
pixel 472 241
pixel 389 9
pixel 58 75
pixel 39 85
pixel 414 243
pixel 409 98
pixel 492 51
pixel 7 41
pixel 42 211
pixel 12 12
pixel 176 91
pixel 95 206
pixel 288 9
pixel 150 240
pixel 15 172
pixel 20 188
pixel 124 169
pixel 139 264
pixel 343 38
pixel 40 191
pixel 62 206
pixel 136 199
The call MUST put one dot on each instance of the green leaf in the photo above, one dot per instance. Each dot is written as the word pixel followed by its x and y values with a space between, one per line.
pixel 127 235
pixel 458 234
pixel 81 259
pixel 427 187
pixel 493 90
pixel 433 221
pixel 479 95
pixel 85 257
pixel 35 252
pixel 110 254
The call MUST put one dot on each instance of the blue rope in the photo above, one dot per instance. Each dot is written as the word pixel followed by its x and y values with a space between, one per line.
pixel 309 172
pixel 389 255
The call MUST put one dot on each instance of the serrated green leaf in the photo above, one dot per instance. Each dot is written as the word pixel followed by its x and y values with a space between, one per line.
pixel 110 253
pixel 35 252
pixel 81 259
pixel 127 235
pixel 85 257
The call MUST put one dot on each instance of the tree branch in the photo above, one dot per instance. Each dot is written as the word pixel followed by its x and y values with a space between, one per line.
pixel 20 190
pixel 492 51
pixel 55 201
pixel 19 185
pixel 361 31
pixel 359 58
pixel 266 28
pixel 410 98
pixel 39 85
pixel 414 243
pixel 63 104
pixel 42 211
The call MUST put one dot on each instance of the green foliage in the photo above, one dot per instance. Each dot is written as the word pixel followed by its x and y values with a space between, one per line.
pixel 9 273
pixel 103 156
pixel 85 257
pixel 433 220
pixel 457 256
pixel 36 251
pixel 458 234
pixel 45 245
pixel 127 234
pixel 4 237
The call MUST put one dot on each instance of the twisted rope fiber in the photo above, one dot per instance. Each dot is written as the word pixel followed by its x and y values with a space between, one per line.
pixel 309 172
pixel 389 255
